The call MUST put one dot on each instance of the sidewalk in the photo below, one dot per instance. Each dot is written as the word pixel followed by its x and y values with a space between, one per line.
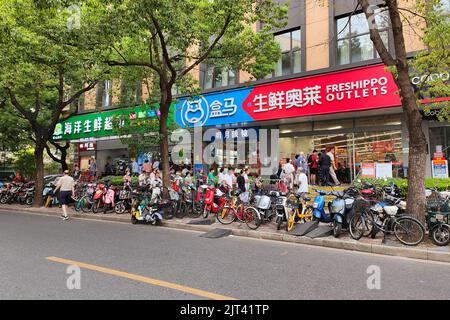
pixel 425 251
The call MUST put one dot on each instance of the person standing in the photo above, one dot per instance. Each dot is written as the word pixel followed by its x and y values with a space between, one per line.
pixel 146 166
pixel 92 169
pixel 333 167
pixel 66 186
pixel 221 177
pixel 135 168
pixel 76 172
pixel 289 171
pixel 303 187
pixel 325 163
pixel 313 166
pixel 228 179
pixel 247 181
pixel 127 177
pixel 211 177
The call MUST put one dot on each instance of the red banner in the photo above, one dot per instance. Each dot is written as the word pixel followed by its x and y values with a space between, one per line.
pixel 354 90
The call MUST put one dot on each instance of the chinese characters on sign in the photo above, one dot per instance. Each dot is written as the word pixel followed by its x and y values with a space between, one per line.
pixel 87 146
pixel 298 98
pixel 101 124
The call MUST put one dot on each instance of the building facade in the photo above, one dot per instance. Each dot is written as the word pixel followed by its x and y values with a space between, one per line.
pixel 329 88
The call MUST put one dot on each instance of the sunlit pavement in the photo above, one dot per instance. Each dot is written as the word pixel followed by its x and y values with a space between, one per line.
pixel 143 262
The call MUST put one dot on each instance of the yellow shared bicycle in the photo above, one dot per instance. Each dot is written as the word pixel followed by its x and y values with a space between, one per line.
pixel 300 210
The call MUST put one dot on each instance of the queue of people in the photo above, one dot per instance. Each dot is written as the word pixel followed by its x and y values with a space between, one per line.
pixel 319 168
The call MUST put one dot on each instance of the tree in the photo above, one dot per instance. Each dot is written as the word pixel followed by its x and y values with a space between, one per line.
pixel 436 29
pixel 171 38
pixel 62 149
pixel 43 58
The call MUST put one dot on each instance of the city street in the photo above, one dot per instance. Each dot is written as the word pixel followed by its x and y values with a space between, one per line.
pixel 123 261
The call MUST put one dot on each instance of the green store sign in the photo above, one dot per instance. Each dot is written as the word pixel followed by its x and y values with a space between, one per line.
pixel 104 124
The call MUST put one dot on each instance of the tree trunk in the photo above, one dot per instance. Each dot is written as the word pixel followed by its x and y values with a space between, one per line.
pixel 417 147
pixel 39 175
pixel 64 165
pixel 164 143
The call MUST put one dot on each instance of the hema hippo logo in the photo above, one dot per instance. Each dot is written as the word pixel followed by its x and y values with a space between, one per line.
pixel 195 112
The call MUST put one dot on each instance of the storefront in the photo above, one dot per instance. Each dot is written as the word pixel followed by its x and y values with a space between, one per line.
pixel 97 135
pixel 355 112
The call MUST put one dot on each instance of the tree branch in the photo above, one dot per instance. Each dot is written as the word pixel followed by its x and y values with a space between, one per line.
pixel 208 51
pixel 387 58
pixel 165 52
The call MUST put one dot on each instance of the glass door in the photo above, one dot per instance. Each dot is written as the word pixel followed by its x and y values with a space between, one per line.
pixel 341 146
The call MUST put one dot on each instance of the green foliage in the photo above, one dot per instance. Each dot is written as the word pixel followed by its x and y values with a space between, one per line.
pixel 436 59
pixel 118 181
pixel 438 184
pixel 25 163
pixel 142 135
pixel 43 60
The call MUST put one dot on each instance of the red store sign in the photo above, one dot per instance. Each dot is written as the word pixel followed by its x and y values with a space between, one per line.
pixel 354 90
pixel 87 146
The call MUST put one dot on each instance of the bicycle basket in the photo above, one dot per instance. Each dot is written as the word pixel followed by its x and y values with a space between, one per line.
pixel 292 202
pixel 438 206
pixel 361 205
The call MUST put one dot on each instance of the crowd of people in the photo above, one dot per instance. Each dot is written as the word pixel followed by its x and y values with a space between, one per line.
pixel 318 168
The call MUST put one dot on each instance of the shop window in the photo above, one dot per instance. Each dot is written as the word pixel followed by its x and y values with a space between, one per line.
pixel 103 94
pixel 380 147
pixel 216 77
pixel 333 125
pixel 293 128
pixel 130 92
pixel 379 121
pixel 443 7
pixel 353 37
pixel 291 55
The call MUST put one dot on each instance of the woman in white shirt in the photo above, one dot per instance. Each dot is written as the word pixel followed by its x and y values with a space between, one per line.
pixel 289 171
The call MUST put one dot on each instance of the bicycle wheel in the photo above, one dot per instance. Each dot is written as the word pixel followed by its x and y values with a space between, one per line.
pixel 409 231
pixel 440 235
pixel 357 226
pixel 194 210
pixel 252 218
pixel 227 215
pixel 87 206
pixel 181 210
pixel 308 215
pixel 291 221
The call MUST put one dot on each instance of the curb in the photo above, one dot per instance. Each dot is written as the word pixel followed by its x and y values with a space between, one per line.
pixel 405 252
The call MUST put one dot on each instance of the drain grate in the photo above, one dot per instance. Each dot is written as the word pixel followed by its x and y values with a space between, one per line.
pixel 203 222
pixel 216 233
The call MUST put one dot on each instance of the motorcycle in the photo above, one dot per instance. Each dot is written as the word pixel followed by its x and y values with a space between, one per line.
pixel 149 210
pixel 438 222
pixel 214 201
pixel 104 198
pixel 49 196
pixel 125 200
pixel 26 195
pixel 341 209
pixel 264 209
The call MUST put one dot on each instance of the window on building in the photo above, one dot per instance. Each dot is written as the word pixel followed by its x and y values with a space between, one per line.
pixel 353 37
pixel 291 55
pixel 107 93
pixel 130 92
pixel 216 77
pixel 444 7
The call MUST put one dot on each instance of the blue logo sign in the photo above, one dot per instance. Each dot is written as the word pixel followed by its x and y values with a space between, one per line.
pixel 213 109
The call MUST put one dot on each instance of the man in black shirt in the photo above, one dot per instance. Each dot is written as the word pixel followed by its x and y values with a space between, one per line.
pixel 324 164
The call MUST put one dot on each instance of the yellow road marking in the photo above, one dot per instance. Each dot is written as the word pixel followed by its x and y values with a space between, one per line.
pixel 143 279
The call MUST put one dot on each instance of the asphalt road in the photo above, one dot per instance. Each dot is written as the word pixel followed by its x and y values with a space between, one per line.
pixel 175 263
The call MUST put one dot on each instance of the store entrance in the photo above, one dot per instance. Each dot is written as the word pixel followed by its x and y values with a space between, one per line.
pixel 342 147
